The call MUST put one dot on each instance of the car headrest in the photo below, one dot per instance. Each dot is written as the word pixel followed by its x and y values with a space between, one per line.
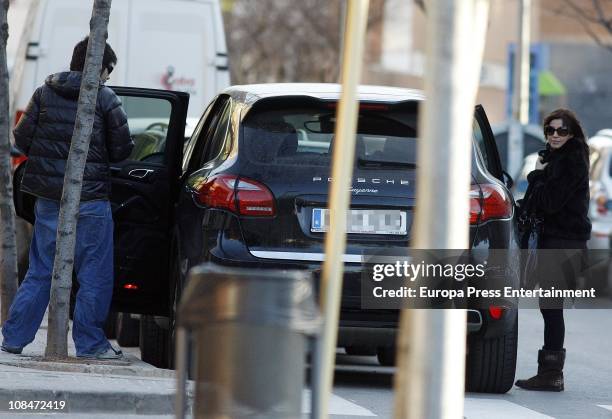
pixel 289 145
pixel 272 139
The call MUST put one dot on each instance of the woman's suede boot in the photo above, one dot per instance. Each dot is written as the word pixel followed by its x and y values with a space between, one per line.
pixel 550 372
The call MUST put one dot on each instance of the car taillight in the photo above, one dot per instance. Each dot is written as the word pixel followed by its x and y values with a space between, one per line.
pixel 254 199
pixel 18 115
pixel 496 312
pixel 218 192
pixel 495 203
pixel 602 203
pixel 17 160
pixel 249 197
pixel 362 106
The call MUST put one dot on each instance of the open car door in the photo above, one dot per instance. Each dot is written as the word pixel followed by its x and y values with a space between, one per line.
pixel 144 189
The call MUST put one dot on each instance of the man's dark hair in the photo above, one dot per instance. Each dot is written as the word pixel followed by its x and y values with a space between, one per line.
pixel 80 50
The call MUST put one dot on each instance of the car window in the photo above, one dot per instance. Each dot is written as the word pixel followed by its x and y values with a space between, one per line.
pixel 215 144
pixel 594 162
pixel 386 136
pixel 481 146
pixel 148 119
pixel 190 144
pixel 201 137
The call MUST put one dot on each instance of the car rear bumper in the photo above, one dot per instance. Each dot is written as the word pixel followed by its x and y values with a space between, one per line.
pixel 376 333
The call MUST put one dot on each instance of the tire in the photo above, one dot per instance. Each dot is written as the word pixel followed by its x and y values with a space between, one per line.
pixel 128 330
pixel 360 350
pixel 153 343
pixel 386 356
pixel 491 363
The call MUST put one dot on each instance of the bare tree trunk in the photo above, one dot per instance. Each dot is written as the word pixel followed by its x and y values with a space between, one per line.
pixel 57 334
pixel 8 253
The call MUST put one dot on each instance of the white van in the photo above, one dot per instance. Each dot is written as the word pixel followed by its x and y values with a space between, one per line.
pixel 160 44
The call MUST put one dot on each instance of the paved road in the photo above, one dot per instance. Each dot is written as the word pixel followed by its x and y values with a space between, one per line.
pixel 365 390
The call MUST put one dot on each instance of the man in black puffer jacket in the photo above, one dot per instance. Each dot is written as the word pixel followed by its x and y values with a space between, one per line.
pixel 44 134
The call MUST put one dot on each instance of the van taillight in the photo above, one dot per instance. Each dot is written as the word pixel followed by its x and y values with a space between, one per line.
pixel 249 197
pixel 495 203
pixel 18 116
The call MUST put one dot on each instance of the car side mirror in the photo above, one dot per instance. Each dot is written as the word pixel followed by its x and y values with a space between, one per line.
pixel 508 180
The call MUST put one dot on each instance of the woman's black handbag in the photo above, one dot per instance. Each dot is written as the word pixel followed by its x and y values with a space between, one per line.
pixel 530 232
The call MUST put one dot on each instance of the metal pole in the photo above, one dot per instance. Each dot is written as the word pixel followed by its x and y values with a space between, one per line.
pixel 429 381
pixel 342 172
pixel 525 62
pixel 520 102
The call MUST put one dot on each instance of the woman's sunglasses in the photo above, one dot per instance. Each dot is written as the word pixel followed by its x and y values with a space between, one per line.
pixel 110 68
pixel 562 131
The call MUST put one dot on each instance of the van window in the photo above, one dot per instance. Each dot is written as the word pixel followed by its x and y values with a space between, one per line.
pixel 148 119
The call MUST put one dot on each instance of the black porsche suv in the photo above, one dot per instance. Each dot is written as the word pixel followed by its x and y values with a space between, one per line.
pixel 250 188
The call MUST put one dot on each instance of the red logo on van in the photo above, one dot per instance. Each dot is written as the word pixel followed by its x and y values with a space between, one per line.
pixel 170 82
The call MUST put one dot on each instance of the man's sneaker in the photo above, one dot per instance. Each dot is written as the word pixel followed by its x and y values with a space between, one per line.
pixel 11 350
pixel 110 353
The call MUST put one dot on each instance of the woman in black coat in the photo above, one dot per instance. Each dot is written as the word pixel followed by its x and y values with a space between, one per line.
pixel 559 194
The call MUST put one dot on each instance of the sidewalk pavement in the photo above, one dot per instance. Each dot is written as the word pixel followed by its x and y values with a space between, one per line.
pixel 88 388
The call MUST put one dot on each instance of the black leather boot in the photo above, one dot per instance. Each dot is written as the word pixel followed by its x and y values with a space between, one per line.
pixel 550 372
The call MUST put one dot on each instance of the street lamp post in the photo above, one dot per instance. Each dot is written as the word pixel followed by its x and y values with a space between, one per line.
pixel 520 96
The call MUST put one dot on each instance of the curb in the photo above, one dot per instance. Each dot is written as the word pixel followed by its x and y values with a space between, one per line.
pixel 91 401
pixel 130 366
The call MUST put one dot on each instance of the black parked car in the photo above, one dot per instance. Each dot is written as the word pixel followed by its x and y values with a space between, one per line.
pixel 250 189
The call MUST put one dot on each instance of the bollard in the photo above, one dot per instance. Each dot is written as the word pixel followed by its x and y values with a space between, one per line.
pixel 249 329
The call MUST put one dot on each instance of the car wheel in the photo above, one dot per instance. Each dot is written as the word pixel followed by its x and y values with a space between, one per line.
pixel 386 356
pixel 360 350
pixel 153 343
pixel 128 330
pixel 491 363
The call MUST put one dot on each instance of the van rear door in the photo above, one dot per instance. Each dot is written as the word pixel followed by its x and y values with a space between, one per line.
pixel 173 45
pixel 66 22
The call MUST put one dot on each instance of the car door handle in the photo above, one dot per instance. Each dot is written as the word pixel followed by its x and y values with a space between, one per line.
pixel 140 173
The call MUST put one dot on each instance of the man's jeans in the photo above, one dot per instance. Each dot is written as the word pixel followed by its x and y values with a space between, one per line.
pixel 94 269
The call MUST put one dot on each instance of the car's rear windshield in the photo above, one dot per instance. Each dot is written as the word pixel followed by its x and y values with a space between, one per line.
pixel 291 135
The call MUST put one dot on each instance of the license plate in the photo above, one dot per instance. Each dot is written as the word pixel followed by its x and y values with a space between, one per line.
pixel 361 221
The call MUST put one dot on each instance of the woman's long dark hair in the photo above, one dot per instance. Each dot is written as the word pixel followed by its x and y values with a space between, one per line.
pixel 570 120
